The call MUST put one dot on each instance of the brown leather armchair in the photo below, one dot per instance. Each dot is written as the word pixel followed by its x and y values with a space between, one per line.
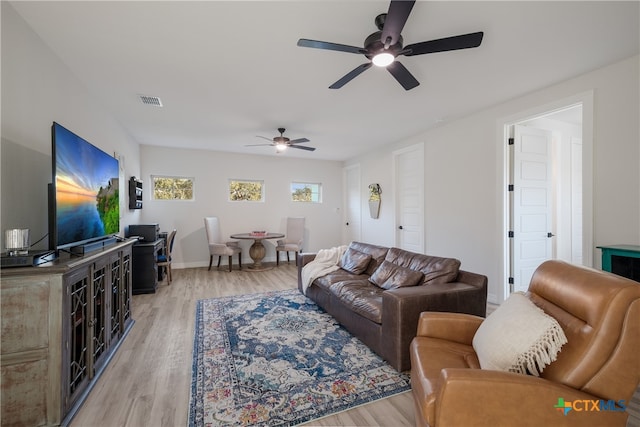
pixel 596 371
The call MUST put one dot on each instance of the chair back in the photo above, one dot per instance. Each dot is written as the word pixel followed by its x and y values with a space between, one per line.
pixel 599 313
pixel 170 240
pixel 295 231
pixel 212 227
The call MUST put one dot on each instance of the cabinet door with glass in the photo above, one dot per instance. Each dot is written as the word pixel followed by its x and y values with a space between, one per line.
pixel 75 335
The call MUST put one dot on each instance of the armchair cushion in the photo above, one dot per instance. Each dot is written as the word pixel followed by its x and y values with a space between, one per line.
pixel 518 337
pixel 354 261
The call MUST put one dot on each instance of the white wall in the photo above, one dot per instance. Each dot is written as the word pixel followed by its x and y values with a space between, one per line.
pixel 464 174
pixel 211 171
pixel 38 89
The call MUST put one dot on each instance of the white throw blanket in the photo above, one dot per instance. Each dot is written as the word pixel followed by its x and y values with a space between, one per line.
pixel 324 263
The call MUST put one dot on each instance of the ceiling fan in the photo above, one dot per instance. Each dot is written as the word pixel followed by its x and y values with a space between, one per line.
pixel 282 142
pixel 384 46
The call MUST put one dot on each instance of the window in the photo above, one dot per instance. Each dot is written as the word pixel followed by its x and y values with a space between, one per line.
pixel 172 188
pixel 306 192
pixel 246 190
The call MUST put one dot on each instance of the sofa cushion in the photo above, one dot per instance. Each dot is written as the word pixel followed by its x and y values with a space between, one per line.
pixel 393 276
pixel 339 275
pixel 354 261
pixel 361 297
pixel 518 337
pixel 377 254
pixel 435 269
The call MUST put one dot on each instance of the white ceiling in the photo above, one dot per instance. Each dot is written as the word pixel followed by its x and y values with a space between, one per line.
pixel 227 71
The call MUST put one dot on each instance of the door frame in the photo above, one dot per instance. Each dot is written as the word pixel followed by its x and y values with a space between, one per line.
pixel 502 132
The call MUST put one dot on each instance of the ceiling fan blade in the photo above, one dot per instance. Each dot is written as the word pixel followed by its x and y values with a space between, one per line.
pixel 302 147
pixel 264 137
pixel 330 46
pixel 464 41
pixel 298 141
pixel 402 75
pixel 258 145
pixel 394 23
pixel 350 75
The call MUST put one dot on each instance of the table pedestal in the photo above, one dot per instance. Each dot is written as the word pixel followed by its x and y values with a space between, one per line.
pixel 257 252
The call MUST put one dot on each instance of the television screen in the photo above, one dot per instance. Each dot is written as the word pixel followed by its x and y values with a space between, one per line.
pixel 85 181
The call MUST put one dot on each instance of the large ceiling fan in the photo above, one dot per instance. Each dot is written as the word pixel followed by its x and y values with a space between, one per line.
pixel 282 142
pixel 384 46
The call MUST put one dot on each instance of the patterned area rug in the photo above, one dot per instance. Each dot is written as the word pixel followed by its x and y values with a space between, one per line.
pixel 278 359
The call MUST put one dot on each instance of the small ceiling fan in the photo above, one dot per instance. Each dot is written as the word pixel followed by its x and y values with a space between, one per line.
pixel 282 142
pixel 384 46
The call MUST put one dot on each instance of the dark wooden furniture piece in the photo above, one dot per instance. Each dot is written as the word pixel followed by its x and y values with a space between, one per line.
pixel 135 193
pixel 61 323
pixel 623 260
pixel 145 266
pixel 257 249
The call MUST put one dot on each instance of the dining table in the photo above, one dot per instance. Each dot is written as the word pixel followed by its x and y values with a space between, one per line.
pixel 257 249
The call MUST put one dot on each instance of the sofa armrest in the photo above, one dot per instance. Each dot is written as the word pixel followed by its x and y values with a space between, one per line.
pixel 303 258
pixel 456 327
pixel 401 310
pixel 484 397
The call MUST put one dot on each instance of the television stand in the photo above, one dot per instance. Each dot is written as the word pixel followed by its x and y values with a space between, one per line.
pixel 93 246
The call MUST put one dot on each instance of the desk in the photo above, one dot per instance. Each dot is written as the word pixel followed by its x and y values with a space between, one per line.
pixel 257 250
pixel 145 267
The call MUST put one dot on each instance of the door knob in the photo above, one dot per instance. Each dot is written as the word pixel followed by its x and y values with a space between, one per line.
pixel 550 234
pixel 400 227
pixel 347 223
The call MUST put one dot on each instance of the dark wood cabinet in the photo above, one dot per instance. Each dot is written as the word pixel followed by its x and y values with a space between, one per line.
pixel 55 347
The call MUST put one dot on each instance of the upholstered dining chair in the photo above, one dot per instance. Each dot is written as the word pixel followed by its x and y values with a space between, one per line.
pixel 293 240
pixel 164 260
pixel 217 246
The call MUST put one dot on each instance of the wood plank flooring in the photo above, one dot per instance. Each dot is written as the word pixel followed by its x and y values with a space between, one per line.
pixel 149 379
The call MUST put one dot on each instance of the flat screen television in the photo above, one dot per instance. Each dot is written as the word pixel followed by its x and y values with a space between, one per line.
pixel 85 204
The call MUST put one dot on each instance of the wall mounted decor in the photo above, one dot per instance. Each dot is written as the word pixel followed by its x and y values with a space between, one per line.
pixel 374 200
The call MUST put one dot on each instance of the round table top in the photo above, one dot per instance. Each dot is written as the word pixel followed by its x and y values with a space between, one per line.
pixel 257 237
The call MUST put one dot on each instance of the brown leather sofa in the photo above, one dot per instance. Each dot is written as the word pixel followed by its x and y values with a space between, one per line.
pixel 595 374
pixel 386 319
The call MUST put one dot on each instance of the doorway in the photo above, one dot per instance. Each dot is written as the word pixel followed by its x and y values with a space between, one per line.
pixel 352 219
pixel 547 194
pixel 408 176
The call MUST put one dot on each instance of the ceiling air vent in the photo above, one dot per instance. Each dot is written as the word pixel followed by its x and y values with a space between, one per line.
pixel 151 100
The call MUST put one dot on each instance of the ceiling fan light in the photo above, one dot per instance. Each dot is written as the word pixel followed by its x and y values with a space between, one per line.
pixel 281 147
pixel 383 59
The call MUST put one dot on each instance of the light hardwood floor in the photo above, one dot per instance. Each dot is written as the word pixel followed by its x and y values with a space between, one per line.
pixel 148 381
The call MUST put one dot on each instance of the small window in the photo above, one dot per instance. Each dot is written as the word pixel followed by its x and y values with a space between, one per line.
pixel 246 190
pixel 306 192
pixel 172 188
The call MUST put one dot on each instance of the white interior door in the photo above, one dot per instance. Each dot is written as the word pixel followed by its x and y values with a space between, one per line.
pixel 352 205
pixel 409 189
pixel 532 221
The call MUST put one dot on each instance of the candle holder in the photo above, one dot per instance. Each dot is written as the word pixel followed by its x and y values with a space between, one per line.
pixel 17 241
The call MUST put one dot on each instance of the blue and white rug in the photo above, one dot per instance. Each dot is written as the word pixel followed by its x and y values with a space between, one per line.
pixel 277 359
